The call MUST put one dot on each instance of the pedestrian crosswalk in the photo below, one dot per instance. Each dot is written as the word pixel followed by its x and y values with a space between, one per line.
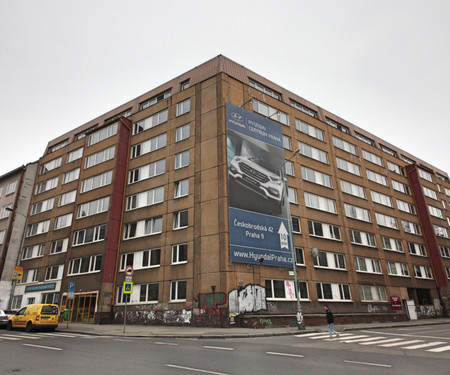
pixel 408 343
pixel 17 336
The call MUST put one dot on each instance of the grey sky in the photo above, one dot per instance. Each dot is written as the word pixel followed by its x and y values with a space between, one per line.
pixel 382 65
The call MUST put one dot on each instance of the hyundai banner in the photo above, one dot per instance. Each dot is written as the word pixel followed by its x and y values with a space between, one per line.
pixel 259 228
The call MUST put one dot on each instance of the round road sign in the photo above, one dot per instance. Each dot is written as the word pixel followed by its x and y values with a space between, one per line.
pixel 129 271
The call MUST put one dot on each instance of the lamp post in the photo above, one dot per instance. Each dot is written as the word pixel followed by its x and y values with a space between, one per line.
pixel 300 322
pixel 13 286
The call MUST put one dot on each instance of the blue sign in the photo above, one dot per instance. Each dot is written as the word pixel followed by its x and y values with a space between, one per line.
pixel 71 287
pixel 259 228
pixel 40 288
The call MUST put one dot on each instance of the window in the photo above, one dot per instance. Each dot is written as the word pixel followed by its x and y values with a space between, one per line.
pixel 82 134
pixel 285 289
pixel 183 107
pixel 85 265
pixel 270 112
pixel 348 167
pixel 372 158
pixel 292 195
pixel 286 142
pixel 99 157
pixel 357 213
pixel 370 293
pixel 54 272
pixel 16 302
pixel 397 269
pixel 447 271
pixel 376 177
pixel 328 231
pixel 179 253
pixel 50 165
pixel 93 207
pixel 67 198
pixel 392 244
pixel 59 246
pixel 412 228
pixel 436 212
pixel 181 188
pixel 406 207
pixel 184 85
pixel 344 145
pixel 35 251
pixel 320 203
pixel 2 236
pixel 125 113
pixel 150 122
pixel 180 219
pixel 447 192
pixel 316 177
pixel 156 99
pixel 425 175
pixel 50 298
pixel 149 292
pixel 296 225
pixel 264 89
pixel 89 235
pixel 58 146
pixel 145 198
pixel 445 251
pixel 396 168
pixel 71 176
pixel 178 291
pixel 337 126
pixel 402 188
pixel 147 171
pixel 386 221
pixel 313 153
pixel 334 292
pixel 6 211
pixel 289 168
pixel 103 134
pixel 74 155
pixel 299 256
pixel 325 259
pixel 96 182
pixel 312 131
pixel 183 132
pixel 149 145
pixel 353 189
pixel 364 139
pixel 46 185
pixel 362 238
pixel 440 231
pixel 430 193
pixel 63 221
pixel 367 265
pixel 379 198
pixel 422 272
pixel 388 150
pixel 143 228
pixel 38 228
pixel 416 249
pixel 11 188
pixel 121 297
pixel 304 109
pixel 182 159
pixel 30 276
pixel 141 259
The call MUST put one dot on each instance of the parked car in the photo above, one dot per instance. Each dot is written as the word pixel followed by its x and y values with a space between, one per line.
pixel 36 316
pixel 4 317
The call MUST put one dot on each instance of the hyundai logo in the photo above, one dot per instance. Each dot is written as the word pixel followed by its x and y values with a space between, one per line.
pixel 237 116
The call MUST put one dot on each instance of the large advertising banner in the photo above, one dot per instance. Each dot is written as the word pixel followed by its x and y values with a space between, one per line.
pixel 259 227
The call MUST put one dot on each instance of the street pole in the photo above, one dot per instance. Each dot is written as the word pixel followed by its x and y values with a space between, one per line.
pixel 300 322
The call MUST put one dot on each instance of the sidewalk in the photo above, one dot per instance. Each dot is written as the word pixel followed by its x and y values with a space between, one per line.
pixel 208 332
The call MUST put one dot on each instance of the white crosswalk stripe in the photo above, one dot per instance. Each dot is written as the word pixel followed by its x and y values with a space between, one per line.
pixel 426 345
pixel 380 341
pixel 361 340
pixel 392 344
pixel 439 350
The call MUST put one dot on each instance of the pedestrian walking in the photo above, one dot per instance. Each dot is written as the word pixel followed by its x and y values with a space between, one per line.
pixel 330 321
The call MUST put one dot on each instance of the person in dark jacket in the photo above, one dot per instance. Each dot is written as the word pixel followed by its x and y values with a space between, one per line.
pixel 330 321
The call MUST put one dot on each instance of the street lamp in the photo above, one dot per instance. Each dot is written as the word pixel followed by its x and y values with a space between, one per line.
pixel 13 286
pixel 300 322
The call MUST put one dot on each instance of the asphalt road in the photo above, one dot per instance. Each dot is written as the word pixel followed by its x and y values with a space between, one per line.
pixel 415 350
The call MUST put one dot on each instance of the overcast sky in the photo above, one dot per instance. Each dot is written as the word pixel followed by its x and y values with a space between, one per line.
pixel 382 65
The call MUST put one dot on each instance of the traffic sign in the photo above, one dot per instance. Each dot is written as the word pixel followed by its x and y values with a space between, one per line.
pixel 129 271
pixel 71 289
pixel 127 287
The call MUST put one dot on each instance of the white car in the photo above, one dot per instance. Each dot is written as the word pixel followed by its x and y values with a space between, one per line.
pixel 4 317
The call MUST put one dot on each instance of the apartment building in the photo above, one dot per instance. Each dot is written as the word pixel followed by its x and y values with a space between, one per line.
pixel 196 192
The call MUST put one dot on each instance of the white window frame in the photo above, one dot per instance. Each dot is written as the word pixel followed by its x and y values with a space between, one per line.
pixel 74 155
pixel 84 236
pixel 182 132
pixel 392 244
pixel 94 207
pixel 63 221
pixel 386 221
pixel 412 228
pixel 338 292
pixel 181 188
pixel 182 159
pixel 327 231
pixel 376 177
pixel 100 157
pixel 344 145
pixel 318 202
pixel 59 246
pixel 151 121
pixel 381 198
pixel 357 213
pixel 102 134
pixel 313 153
pixel 353 189
pixel 96 182
pixel 349 167
pixel 175 291
pixel 367 265
pixel 326 259
pixel 317 177
pixel 179 254
pixel 183 107
pixel 70 176
pixel 310 130
pixel 416 249
pixel 375 159
pixel 50 165
pixel 180 219
pixel 360 238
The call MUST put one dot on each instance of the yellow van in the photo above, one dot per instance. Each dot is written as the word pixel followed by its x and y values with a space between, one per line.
pixel 37 316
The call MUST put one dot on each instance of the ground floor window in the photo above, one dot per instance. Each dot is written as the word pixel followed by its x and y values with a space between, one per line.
pixel 285 289
pixel 178 290
pixel 50 298
pixel 335 292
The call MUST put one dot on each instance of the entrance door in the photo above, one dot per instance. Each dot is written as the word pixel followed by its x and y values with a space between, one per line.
pixel 82 307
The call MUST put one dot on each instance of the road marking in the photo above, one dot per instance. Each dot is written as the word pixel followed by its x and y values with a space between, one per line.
pixel 123 340
pixel 165 343
pixel 286 354
pixel 380 341
pixel 197 370
pixel 351 337
pixel 317 336
pixel 10 338
pixel 368 363
pixel 56 334
pixel 400 343
pixel 25 337
pixel 363 340
pixel 405 335
pixel 426 345
pixel 438 350
pixel 42 347
pixel 217 348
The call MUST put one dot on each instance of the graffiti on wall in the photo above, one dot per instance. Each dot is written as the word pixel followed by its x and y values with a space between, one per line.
pixel 211 300
pixel 250 299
